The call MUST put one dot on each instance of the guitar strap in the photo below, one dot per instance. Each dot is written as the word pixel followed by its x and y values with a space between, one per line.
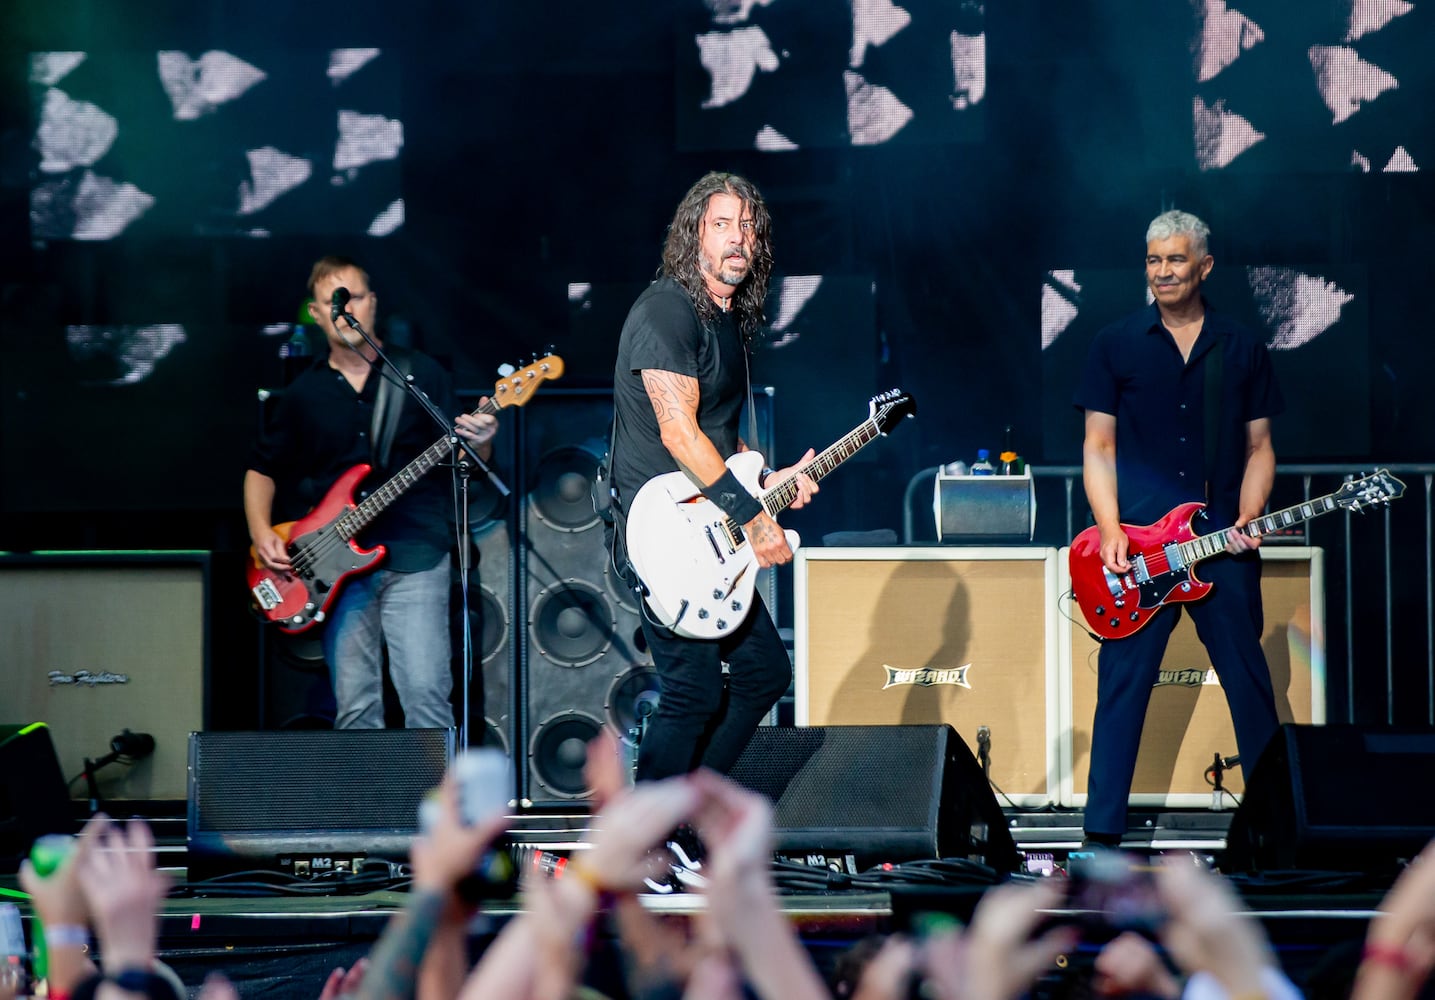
pixel 388 403
pixel 1215 362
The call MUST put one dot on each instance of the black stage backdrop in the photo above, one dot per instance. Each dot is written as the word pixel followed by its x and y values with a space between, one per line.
pixel 959 190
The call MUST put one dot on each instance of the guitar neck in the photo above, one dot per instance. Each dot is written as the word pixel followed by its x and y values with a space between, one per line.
pixel 781 496
pixel 1215 543
pixel 376 502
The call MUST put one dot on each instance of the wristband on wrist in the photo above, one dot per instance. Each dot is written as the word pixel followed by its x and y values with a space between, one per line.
pixel 762 477
pixel 66 936
pixel 1389 955
pixel 730 495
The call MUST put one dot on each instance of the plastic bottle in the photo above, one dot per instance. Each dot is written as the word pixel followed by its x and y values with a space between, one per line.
pixel 1010 463
pixel 47 853
pixel 982 466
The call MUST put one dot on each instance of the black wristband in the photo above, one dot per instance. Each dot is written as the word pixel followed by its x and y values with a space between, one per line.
pixel 735 501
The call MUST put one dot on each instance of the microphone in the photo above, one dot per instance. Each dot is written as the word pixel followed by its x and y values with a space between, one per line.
pixel 132 745
pixel 337 302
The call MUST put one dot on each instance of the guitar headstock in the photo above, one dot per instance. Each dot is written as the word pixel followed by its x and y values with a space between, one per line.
pixel 517 388
pixel 888 408
pixel 1380 487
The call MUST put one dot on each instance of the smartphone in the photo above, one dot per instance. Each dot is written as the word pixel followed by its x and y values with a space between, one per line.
pixel 485 784
pixel 484 776
pixel 1114 891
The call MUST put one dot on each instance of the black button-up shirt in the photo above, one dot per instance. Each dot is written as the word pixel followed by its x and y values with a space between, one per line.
pixel 321 429
pixel 1135 372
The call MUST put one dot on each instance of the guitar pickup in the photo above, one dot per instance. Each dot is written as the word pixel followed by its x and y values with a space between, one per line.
pixel 266 595
pixel 712 540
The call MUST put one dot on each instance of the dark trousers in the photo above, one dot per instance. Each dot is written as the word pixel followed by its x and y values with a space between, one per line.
pixel 700 722
pixel 1229 622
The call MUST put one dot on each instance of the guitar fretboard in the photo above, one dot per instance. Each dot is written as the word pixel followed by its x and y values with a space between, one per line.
pixel 354 521
pixel 1378 488
pixel 777 499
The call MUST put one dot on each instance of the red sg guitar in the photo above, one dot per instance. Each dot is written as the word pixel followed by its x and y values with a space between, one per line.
pixel 321 543
pixel 1163 556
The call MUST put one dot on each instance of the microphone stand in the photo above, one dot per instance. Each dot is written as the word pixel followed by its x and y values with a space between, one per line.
pixel 461 463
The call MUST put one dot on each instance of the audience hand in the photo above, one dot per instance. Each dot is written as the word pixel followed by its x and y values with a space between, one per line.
pixel 1400 943
pixel 448 850
pixel 123 891
pixel 1130 965
pixel 1207 929
pixel 342 983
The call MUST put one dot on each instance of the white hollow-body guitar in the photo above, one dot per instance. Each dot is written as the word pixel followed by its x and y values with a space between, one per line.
pixel 699 572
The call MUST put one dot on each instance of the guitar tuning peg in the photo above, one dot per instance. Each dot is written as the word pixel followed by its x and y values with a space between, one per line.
pixel 505 370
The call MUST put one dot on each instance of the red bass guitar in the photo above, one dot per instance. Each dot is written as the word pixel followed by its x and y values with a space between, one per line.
pixel 1163 556
pixel 321 544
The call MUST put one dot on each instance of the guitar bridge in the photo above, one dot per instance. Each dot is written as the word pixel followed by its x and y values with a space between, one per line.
pixel 266 595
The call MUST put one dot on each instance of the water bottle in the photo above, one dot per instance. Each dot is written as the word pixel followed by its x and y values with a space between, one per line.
pixel 982 466
pixel 47 854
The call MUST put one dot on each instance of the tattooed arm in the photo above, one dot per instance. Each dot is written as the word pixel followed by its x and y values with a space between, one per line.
pixel 675 403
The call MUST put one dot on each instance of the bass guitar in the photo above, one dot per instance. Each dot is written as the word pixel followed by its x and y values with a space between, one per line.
pixel 1163 555
pixel 694 561
pixel 322 546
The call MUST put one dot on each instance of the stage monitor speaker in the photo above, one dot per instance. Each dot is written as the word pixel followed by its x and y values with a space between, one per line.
pixel 1188 721
pixel 33 796
pixel 1335 798
pixel 877 794
pixel 930 635
pixel 102 642
pixel 256 798
pixel 582 647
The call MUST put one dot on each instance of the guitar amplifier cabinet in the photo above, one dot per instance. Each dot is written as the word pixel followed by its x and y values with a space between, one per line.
pixel 939 634
pixel 1188 721
pixel 102 642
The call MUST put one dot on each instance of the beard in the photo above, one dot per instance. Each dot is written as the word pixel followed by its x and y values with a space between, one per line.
pixel 726 272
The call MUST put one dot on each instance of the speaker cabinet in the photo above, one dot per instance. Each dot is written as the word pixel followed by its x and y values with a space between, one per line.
pixel 1188 721
pixel 491 627
pixel 935 635
pixel 1335 798
pixel 876 794
pixel 258 798
pixel 33 799
pixel 99 643
pixel 580 620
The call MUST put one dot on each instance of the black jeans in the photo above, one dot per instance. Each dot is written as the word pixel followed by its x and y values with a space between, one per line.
pixel 699 721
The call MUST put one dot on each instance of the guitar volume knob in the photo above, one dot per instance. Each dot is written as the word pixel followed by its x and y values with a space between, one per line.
pixel 737 606
pixel 1115 623
pixel 1135 615
pixel 1101 609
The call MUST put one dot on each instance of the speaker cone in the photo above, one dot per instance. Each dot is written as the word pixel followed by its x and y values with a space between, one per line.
pixel 617 589
pixel 558 751
pixel 571 623
pixel 632 698
pixel 494 625
pixel 562 492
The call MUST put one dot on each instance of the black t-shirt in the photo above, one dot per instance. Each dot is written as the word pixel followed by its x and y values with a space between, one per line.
pixel 321 428
pixel 1135 372
pixel 663 332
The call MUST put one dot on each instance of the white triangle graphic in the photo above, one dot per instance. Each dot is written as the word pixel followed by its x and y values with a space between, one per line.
pixel 1346 81
pixel 1225 34
pixel 1221 135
